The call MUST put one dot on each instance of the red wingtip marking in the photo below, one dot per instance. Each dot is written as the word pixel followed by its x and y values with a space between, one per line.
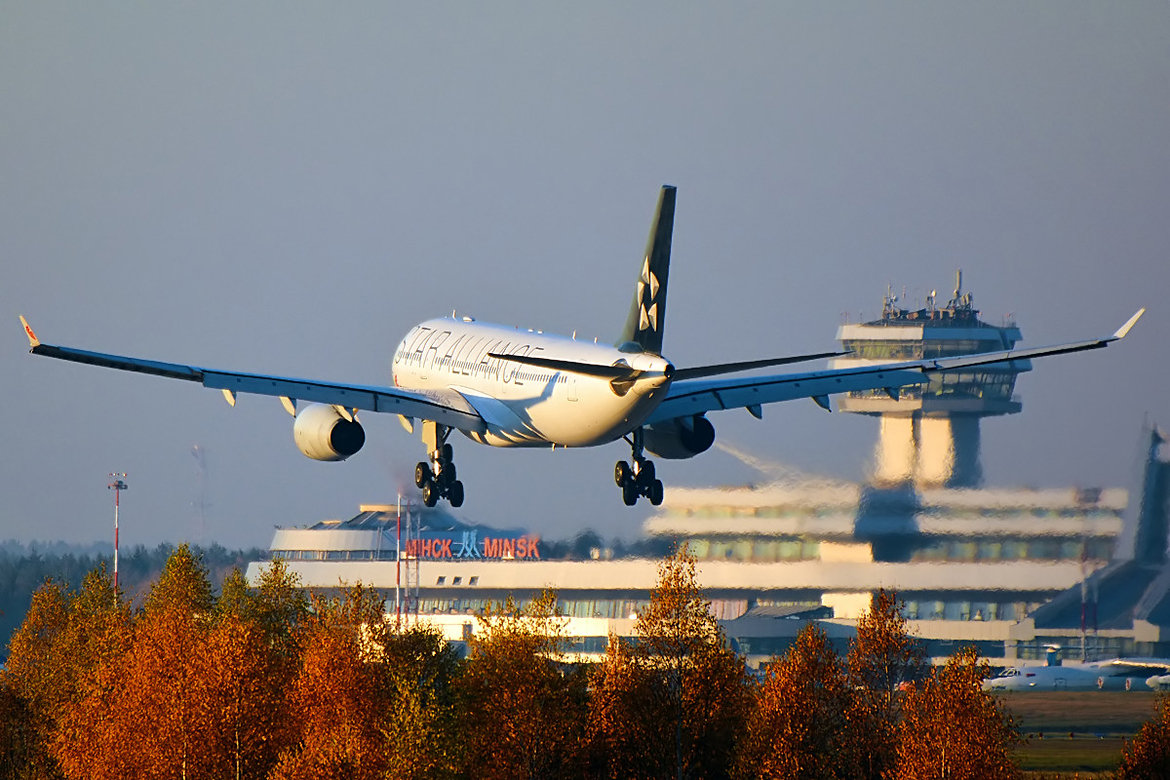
pixel 33 341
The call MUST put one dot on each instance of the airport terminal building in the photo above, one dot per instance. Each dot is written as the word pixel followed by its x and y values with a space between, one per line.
pixel 972 566
pixel 1010 571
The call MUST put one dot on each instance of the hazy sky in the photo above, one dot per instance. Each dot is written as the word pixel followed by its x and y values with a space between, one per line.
pixel 287 188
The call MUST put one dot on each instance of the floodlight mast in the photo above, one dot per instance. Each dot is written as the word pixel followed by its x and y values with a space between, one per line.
pixel 398 568
pixel 117 484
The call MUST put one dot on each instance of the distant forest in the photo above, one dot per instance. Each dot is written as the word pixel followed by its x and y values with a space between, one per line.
pixel 24 568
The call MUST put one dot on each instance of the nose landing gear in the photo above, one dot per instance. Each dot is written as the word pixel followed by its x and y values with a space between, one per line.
pixel 437 477
pixel 638 479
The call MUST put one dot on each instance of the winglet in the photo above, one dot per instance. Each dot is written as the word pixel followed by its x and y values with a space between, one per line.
pixel 33 341
pixel 1120 334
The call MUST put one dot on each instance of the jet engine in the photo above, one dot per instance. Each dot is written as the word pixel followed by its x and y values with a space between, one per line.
pixel 322 433
pixel 680 438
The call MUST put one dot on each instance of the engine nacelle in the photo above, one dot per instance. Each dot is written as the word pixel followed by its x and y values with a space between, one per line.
pixel 323 434
pixel 680 438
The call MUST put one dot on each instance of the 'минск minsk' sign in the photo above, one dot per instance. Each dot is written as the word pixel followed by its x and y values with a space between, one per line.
pixel 467 544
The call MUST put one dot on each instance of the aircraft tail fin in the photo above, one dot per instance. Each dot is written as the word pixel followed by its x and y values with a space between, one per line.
pixel 648 311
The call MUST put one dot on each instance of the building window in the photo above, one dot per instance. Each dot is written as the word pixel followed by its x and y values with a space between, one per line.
pixel 473 581
pixel 441 581
pixel 457 581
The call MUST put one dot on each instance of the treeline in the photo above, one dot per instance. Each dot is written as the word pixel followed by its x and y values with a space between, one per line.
pixel 269 682
pixel 24 568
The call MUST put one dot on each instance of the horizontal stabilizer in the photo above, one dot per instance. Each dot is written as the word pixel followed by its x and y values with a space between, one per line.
pixel 589 369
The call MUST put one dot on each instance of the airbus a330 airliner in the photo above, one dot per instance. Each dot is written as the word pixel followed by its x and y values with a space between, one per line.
pixel 508 387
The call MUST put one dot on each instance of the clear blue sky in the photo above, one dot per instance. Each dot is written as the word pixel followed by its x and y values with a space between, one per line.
pixel 287 188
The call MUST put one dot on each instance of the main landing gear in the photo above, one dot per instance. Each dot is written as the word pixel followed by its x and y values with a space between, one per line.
pixel 437 477
pixel 638 479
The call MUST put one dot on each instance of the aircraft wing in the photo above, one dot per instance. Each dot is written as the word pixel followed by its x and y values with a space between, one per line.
pixel 696 396
pixel 690 397
pixel 448 408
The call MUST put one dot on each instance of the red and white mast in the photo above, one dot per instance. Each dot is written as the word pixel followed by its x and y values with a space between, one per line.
pixel 117 484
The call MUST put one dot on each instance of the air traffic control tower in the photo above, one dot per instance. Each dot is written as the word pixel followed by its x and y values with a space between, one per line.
pixel 930 433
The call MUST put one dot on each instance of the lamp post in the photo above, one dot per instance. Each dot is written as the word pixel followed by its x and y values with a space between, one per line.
pixel 117 484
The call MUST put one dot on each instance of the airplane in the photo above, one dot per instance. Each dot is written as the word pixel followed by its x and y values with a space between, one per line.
pixel 508 387
pixel 1118 674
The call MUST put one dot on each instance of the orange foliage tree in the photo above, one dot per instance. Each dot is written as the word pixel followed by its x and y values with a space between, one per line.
pixel 240 687
pixel 37 681
pixel 522 712
pixel 20 754
pixel 336 699
pixel 420 669
pixel 197 693
pixel 673 704
pixel 1147 756
pixel 952 728
pixel 137 719
pixel 799 727
pixel 366 702
pixel 56 659
pixel 882 659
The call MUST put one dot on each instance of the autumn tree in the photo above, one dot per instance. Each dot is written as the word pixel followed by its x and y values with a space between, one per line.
pixel 619 685
pixel 674 703
pixel 240 681
pixel 952 728
pixel 1147 756
pixel 141 716
pixel 183 585
pixel 799 726
pixel 21 755
pixel 236 597
pixel 281 606
pixel 366 702
pixel 37 681
pixel 197 693
pixel 522 712
pixel 420 669
pixel 57 658
pixel 882 659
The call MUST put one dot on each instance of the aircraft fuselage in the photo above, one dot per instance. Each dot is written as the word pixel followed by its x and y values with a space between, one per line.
pixel 525 405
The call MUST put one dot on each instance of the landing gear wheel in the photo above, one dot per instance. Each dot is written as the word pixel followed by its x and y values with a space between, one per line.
pixel 629 493
pixel 447 452
pixel 422 474
pixel 655 492
pixel 447 473
pixel 455 493
pixel 621 473
pixel 430 494
pixel 646 473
